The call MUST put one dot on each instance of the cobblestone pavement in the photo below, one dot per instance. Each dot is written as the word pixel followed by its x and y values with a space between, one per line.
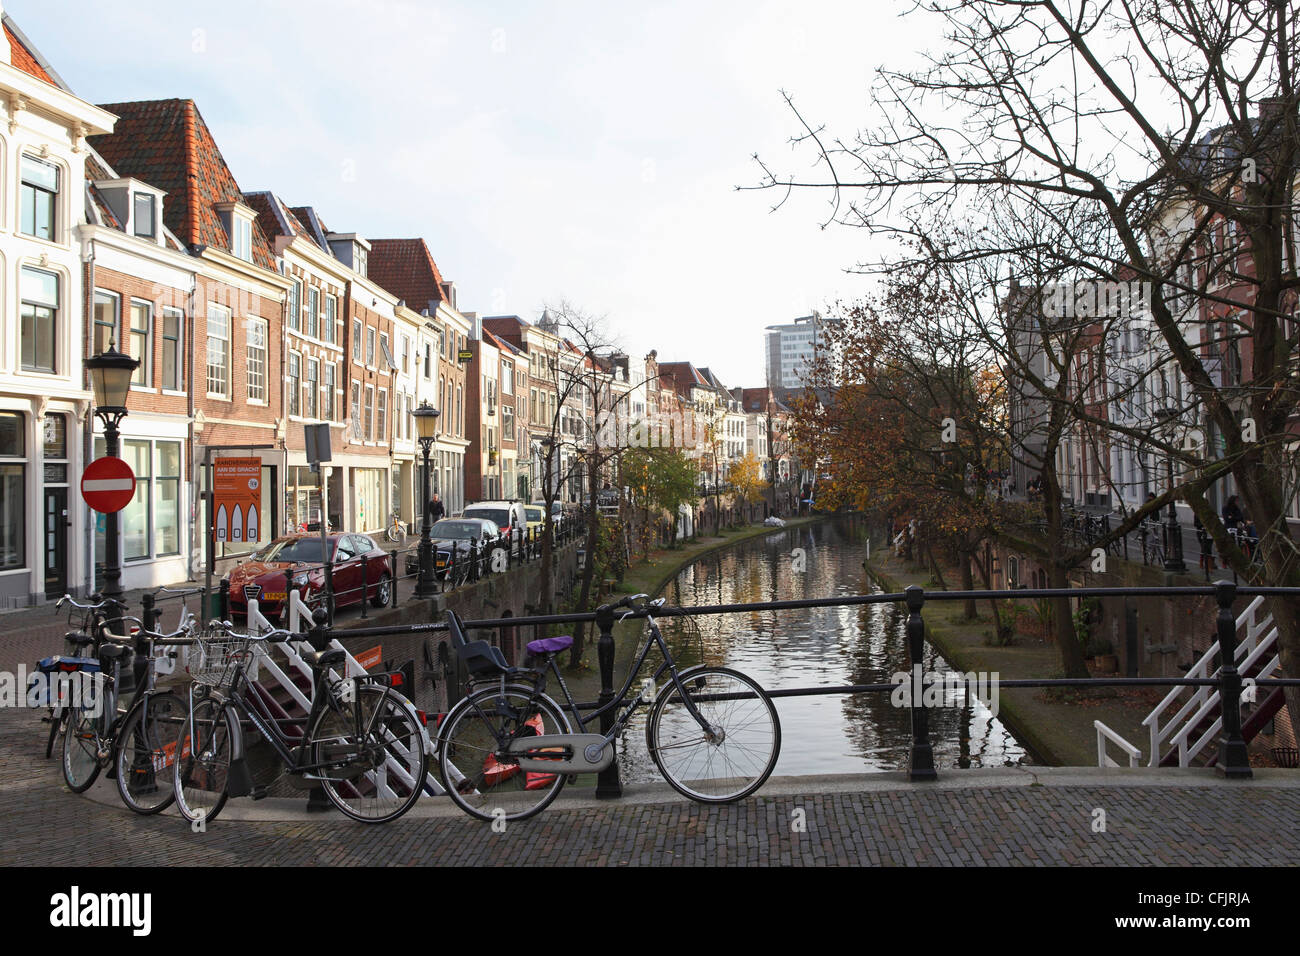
pixel 1193 821
pixel 969 818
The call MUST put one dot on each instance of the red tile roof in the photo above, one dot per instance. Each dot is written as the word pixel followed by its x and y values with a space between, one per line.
pixel 167 144
pixel 406 269
pixel 23 59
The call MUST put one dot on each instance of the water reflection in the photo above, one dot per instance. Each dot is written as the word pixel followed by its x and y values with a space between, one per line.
pixel 819 646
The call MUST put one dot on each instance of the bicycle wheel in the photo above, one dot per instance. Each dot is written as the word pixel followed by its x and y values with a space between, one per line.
pixel 377 776
pixel 733 759
pixel 58 721
pixel 477 776
pixel 80 749
pixel 201 765
pixel 146 749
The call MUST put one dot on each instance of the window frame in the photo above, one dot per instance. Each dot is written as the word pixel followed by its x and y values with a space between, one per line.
pixel 143 371
pixel 225 340
pixel 293 383
pixel 311 382
pixel 260 396
pixel 177 350
pixel 53 320
pixel 53 197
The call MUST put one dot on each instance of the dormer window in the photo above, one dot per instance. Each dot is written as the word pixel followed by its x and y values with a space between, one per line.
pixel 136 205
pixel 238 220
pixel 144 216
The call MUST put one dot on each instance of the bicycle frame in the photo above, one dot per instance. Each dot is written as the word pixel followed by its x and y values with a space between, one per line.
pixel 621 720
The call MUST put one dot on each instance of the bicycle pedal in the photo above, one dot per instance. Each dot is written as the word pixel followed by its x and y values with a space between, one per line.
pixel 260 793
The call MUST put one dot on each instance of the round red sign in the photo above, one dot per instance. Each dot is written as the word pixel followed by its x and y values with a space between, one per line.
pixel 108 484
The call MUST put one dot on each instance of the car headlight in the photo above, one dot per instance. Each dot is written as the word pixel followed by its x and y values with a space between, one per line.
pixel 300 581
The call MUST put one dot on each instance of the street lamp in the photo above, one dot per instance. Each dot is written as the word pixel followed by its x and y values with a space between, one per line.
pixel 110 378
pixel 1174 549
pixel 426 429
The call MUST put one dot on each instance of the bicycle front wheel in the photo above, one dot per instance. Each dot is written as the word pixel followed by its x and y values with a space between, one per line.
pixel 735 755
pixel 80 749
pixel 478 776
pixel 376 773
pixel 201 762
pixel 146 751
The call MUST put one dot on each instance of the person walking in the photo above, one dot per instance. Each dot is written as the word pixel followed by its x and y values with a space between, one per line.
pixel 436 510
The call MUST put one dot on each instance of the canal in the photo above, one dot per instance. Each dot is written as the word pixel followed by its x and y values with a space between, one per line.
pixel 819 646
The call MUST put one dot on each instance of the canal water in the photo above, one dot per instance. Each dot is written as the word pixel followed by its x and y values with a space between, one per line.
pixel 819 647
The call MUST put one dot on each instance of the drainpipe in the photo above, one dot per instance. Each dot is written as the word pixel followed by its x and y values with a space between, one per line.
pixel 88 433
pixel 197 523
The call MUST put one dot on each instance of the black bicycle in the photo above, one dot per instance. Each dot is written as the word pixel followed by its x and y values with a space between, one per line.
pixel 506 750
pixel 132 739
pixel 80 644
pixel 362 742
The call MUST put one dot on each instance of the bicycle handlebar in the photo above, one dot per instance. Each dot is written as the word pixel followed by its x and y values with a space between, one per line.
pixel 106 602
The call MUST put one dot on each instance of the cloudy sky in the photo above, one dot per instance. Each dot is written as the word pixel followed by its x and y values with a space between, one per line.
pixel 570 150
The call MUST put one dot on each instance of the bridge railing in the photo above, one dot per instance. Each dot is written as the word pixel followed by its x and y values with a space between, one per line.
pixel 1232 756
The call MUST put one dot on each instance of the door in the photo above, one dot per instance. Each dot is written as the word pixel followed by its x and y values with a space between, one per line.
pixel 56 542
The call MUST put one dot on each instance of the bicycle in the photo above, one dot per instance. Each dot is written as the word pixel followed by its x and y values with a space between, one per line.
pixel 85 634
pixel 396 530
pixel 361 741
pixel 1153 547
pixel 506 750
pixel 132 740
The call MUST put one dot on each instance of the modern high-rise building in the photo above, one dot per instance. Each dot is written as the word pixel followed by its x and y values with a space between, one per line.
pixel 791 349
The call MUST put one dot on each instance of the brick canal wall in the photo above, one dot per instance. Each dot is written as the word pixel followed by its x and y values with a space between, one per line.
pixel 438 677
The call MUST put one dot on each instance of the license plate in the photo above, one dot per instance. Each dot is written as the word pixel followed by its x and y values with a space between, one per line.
pixel 273 596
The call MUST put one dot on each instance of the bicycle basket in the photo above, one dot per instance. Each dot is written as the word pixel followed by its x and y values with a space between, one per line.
pixel 218 657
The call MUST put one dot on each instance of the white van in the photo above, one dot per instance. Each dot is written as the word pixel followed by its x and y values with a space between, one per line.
pixel 509 516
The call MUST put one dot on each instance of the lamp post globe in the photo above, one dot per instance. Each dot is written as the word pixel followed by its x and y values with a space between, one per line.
pixel 426 431
pixel 110 379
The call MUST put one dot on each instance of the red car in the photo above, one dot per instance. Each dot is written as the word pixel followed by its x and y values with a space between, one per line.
pixel 263 577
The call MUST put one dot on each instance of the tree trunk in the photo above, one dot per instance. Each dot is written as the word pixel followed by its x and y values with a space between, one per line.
pixel 589 572
pixel 967 584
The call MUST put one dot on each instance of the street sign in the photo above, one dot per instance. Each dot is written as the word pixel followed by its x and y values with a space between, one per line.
pixel 108 484
pixel 465 355
pixel 317 439
pixel 237 495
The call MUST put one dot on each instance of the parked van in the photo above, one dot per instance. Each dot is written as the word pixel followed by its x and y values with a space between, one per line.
pixel 509 516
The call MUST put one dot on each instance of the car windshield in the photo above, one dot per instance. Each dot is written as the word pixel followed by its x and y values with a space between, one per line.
pixel 536 514
pixel 499 516
pixel 298 550
pixel 456 529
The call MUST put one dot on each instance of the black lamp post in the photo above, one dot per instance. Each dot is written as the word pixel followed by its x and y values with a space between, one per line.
pixel 426 427
pixel 110 378
pixel 1174 550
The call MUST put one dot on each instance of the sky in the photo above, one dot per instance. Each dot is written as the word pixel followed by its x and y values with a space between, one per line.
pixel 569 151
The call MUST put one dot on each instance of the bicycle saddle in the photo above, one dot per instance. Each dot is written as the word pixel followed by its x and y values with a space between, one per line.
pixel 79 638
pixel 550 645
pixel 325 658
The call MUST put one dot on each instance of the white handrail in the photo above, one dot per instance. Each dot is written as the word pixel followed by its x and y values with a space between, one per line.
pixel 1104 733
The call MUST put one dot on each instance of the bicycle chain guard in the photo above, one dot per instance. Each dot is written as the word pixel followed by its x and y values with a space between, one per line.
pixel 579 751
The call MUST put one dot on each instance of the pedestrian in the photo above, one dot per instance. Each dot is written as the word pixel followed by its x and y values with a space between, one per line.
pixel 436 510
pixel 1233 516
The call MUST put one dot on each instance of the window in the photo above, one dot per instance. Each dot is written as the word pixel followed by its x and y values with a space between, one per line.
pixel 40 193
pixel 141 335
pixel 295 305
pixel 218 351
pixel 356 340
pixel 368 423
pixel 40 311
pixel 370 347
pixel 151 523
pixel 428 360
pixel 167 499
pixel 173 350
pixel 406 355
pixel 256 364
pixel 106 313
pixel 331 317
pixel 356 411
pixel 363 260
pixel 382 423
pixel 295 383
pixel 313 387
pixel 327 408
pixel 13 503
pixel 142 216
pixel 313 312
pixel 385 351
pixel 241 243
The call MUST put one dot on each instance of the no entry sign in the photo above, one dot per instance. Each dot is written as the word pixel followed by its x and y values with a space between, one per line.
pixel 108 485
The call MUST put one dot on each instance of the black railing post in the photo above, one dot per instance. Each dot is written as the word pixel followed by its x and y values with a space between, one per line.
pixel 318 636
pixel 288 589
pixel 329 587
pixel 392 597
pixel 472 571
pixel 224 597
pixel 1233 761
pixel 365 585
pixel 608 785
pixel 148 613
pixel 921 761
